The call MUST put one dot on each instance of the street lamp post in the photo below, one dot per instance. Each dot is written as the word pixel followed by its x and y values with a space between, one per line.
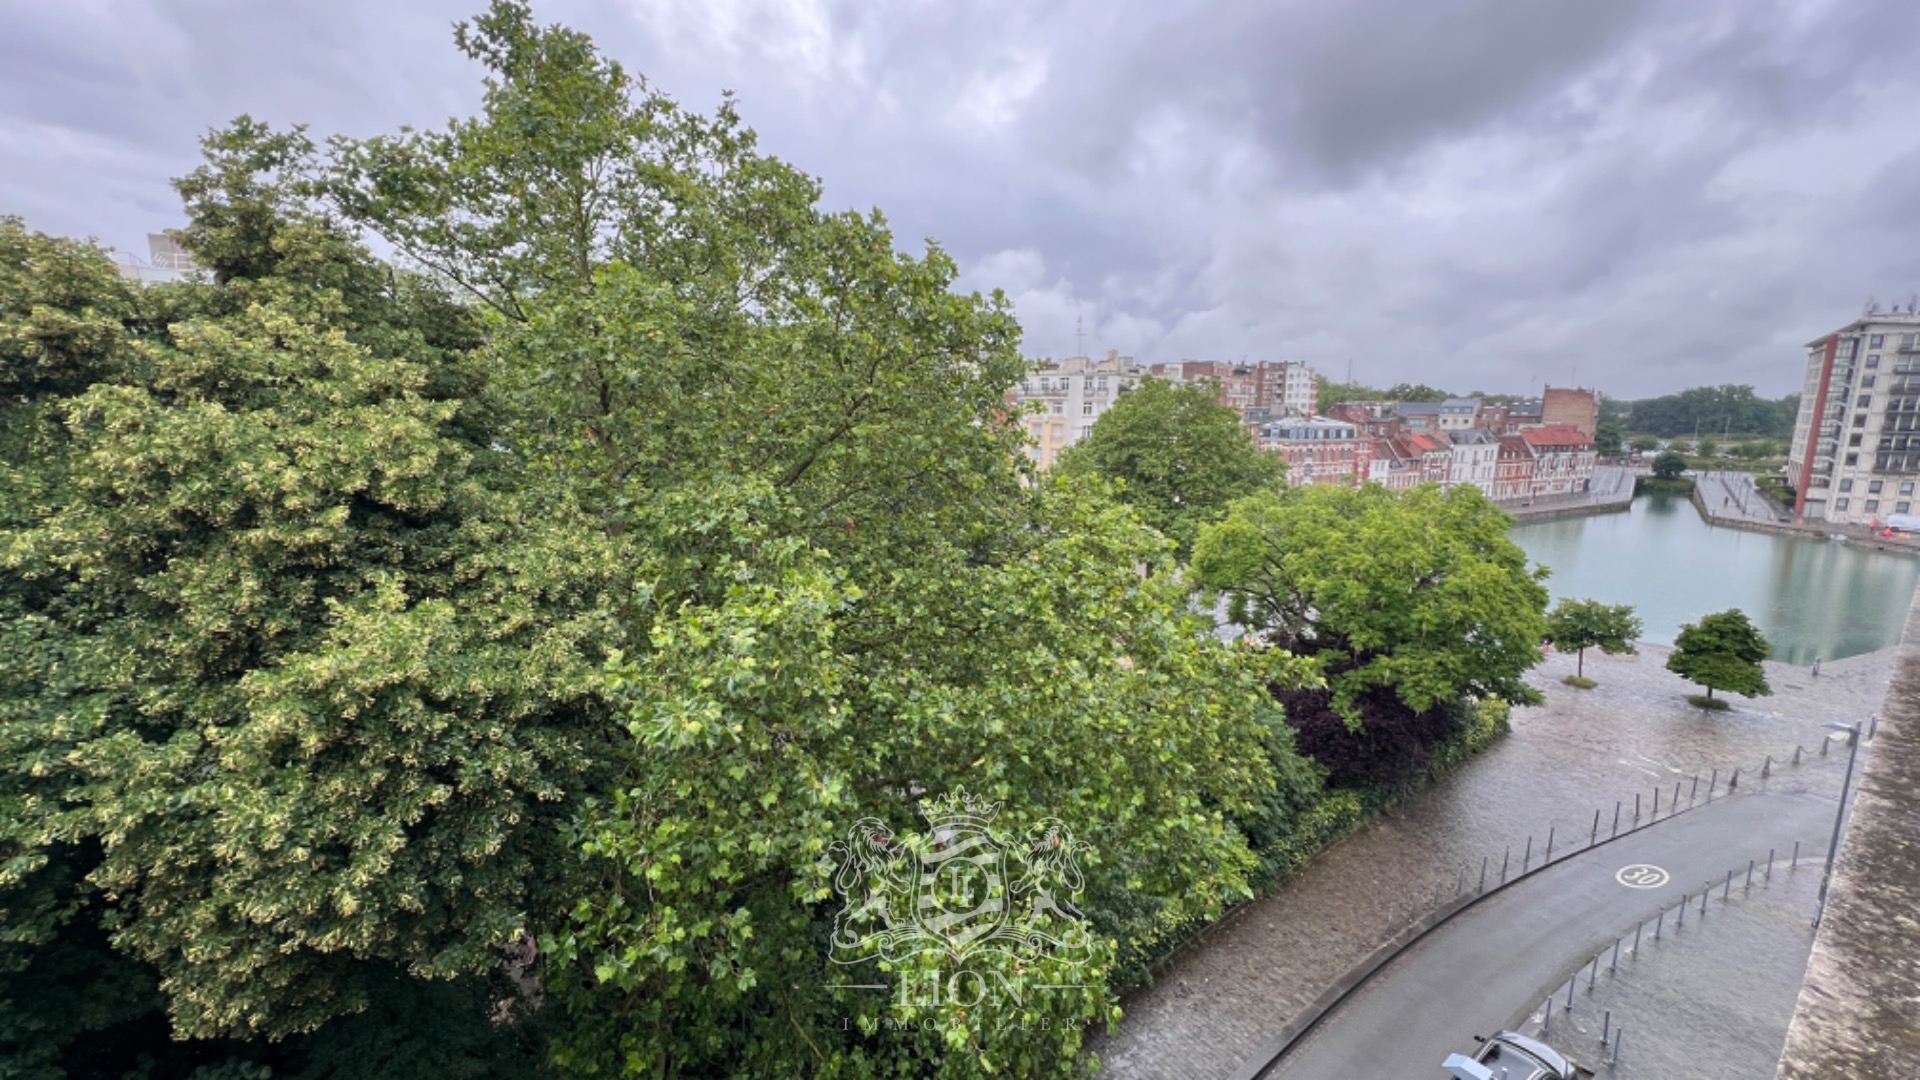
pixel 1833 849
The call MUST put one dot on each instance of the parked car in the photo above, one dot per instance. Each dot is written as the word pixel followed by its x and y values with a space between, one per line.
pixel 1509 1055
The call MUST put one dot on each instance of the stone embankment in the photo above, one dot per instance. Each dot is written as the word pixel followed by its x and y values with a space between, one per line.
pixel 1610 492
pixel 1859 1010
pixel 1731 499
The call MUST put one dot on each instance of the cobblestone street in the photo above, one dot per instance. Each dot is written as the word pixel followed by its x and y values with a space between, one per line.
pixel 1215 1004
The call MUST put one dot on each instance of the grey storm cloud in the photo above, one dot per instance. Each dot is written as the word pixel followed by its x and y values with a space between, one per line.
pixel 1472 193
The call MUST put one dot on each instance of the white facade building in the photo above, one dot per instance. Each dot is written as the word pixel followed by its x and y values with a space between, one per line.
pixel 1855 456
pixel 1072 394
pixel 1476 454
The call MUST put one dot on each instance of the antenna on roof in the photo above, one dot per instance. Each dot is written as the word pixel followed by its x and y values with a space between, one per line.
pixel 1079 335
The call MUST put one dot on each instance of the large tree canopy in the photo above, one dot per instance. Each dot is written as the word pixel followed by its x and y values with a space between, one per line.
pixel 1179 456
pixel 357 624
pixel 1419 594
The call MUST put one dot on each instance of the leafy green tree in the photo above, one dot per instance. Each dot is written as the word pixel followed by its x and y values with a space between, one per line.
pixel 245 660
pixel 1644 443
pixel 843 600
pixel 1583 624
pixel 1414 392
pixel 352 632
pixel 1179 457
pixel 1722 651
pixel 1420 594
pixel 1330 393
pixel 1708 448
pixel 1608 437
pixel 1669 465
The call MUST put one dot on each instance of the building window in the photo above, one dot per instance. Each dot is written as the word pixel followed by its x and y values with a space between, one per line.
pixel 1058 408
pixel 1853 459
pixel 1867 383
pixel 1874 486
pixel 1860 421
pixel 1863 401
pixel 1087 409
pixel 1876 340
pixel 1873 360
pixel 1846 485
pixel 1901 508
pixel 1854 440
pixel 1906 487
pixel 1840 505
pixel 1873 506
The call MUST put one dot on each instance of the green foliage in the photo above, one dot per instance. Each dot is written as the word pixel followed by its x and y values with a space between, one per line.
pixel 1708 448
pixel 1722 651
pixel 1180 458
pixel 1414 392
pixel 1730 409
pixel 1420 593
pixel 1579 682
pixel 765 720
pixel 1609 436
pixel 1669 465
pixel 247 655
pixel 350 632
pixel 1644 443
pixel 1333 393
pixel 1583 624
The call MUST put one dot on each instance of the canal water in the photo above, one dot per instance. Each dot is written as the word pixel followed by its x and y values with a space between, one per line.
pixel 1809 597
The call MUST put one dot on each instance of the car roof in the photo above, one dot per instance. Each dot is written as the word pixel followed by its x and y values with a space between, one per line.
pixel 1547 1054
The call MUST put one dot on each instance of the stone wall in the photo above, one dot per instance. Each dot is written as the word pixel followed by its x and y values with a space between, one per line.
pixel 1859 1010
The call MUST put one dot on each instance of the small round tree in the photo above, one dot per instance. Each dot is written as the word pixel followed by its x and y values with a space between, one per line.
pixel 1669 465
pixel 1721 652
pixel 1583 624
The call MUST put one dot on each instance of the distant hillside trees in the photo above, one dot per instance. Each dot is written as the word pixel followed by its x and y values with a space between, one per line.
pixel 1719 410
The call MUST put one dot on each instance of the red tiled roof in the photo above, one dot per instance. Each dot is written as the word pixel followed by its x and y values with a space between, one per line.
pixel 1428 444
pixel 1512 446
pixel 1556 437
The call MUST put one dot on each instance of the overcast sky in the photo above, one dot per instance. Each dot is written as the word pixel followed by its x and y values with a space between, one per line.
pixel 1477 194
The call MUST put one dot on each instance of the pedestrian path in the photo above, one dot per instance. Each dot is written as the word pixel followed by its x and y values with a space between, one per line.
pixel 1732 496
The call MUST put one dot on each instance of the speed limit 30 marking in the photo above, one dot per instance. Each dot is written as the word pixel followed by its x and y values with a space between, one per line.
pixel 1642 876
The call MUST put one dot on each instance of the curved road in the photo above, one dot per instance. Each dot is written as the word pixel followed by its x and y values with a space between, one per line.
pixel 1473 973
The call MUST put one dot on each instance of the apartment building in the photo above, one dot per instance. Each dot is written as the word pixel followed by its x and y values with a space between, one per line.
pixel 1513 470
pixel 1287 387
pixel 1276 388
pixel 1392 466
pixel 1574 407
pixel 1453 414
pixel 1071 394
pixel 1475 459
pixel 1855 455
pixel 1563 458
pixel 1318 450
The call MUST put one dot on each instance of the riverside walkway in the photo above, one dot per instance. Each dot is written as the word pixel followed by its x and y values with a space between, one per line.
pixel 1219 1002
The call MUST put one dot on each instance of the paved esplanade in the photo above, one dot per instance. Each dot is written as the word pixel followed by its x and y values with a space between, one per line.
pixel 1471 974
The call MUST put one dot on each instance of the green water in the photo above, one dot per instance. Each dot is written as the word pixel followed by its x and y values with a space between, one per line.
pixel 1810 597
